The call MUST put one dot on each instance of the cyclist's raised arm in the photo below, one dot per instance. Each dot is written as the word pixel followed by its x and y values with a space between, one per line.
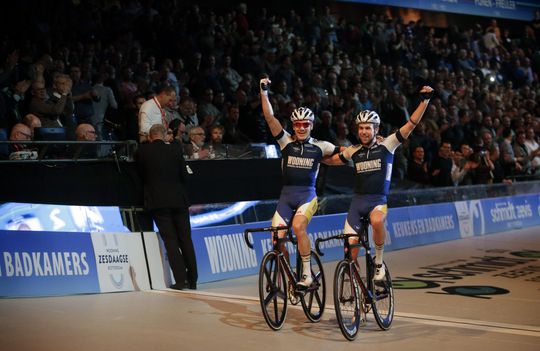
pixel 268 112
pixel 426 93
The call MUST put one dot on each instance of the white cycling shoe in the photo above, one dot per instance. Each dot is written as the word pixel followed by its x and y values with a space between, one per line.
pixel 380 272
pixel 304 283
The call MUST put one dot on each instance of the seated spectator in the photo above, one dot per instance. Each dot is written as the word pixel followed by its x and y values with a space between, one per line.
pixel 178 129
pixel 216 141
pixel 21 132
pixel 85 132
pixel 32 122
pixel 195 149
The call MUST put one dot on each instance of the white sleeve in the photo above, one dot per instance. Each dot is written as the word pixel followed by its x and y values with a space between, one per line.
pixel 145 120
pixel 391 143
pixel 348 152
pixel 284 140
pixel 327 148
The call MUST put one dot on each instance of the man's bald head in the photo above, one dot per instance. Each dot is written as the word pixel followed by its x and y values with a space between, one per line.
pixel 85 132
pixel 32 121
pixel 20 132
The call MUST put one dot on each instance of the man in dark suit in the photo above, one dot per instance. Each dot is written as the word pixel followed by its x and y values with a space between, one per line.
pixel 163 171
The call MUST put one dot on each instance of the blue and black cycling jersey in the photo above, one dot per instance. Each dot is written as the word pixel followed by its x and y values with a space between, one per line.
pixel 301 159
pixel 373 165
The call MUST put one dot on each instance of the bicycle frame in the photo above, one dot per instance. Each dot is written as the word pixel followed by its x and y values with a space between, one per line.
pixel 278 281
pixel 283 262
pixel 363 243
pixel 367 287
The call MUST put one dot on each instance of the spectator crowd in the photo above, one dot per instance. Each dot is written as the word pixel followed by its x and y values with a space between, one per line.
pixel 201 67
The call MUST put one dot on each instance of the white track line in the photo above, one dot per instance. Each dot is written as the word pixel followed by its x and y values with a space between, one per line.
pixel 505 328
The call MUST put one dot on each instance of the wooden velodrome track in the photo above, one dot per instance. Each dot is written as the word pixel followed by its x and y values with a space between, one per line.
pixel 480 293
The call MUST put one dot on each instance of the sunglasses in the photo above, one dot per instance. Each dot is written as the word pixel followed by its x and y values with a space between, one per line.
pixel 304 125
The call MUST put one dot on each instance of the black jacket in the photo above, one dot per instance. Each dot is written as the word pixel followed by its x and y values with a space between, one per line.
pixel 163 172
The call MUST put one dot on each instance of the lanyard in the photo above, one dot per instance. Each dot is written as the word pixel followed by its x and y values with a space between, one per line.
pixel 163 119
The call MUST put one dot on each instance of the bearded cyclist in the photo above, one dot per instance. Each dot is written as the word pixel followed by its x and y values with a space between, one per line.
pixel 301 157
pixel 373 166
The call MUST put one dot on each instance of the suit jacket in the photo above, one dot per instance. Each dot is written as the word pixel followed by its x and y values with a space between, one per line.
pixel 163 172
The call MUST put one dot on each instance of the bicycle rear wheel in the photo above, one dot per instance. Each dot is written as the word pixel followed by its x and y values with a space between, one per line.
pixel 272 291
pixel 383 301
pixel 314 298
pixel 347 301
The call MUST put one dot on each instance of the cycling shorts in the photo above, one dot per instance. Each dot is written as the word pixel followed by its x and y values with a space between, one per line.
pixel 361 206
pixel 301 199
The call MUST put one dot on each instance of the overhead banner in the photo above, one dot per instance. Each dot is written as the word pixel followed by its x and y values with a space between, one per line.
pixel 510 9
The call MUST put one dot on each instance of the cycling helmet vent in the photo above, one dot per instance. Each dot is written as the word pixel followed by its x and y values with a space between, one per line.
pixel 368 116
pixel 302 114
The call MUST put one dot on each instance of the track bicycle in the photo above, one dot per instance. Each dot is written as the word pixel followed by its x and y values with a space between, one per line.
pixel 277 281
pixel 355 296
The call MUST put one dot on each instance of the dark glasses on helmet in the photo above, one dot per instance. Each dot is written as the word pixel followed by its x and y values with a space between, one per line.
pixel 304 125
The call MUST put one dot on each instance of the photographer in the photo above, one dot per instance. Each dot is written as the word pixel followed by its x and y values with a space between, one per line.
pixel 483 171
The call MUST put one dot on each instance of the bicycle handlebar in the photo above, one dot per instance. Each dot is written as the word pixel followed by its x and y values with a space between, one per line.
pixel 267 229
pixel 339 236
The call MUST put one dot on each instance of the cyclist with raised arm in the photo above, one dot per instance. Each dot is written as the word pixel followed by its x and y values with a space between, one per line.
pixel 373 166
pixel 301 158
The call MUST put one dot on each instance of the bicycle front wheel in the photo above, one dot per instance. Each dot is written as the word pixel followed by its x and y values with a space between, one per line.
pixel 347 300
pixel 314 299
pixel 383 301
pixel 273 291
